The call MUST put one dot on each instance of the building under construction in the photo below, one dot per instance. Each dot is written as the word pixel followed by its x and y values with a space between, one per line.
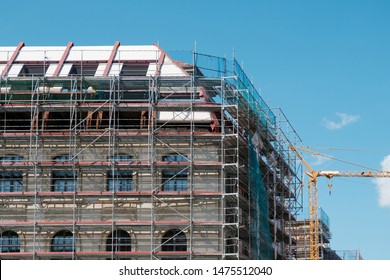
pixel 301 234
pixel 131 152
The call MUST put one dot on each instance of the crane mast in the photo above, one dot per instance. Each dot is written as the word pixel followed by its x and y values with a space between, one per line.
pixel 313 193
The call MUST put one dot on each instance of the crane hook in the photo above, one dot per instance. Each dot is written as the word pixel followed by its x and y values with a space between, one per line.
pixel 330 188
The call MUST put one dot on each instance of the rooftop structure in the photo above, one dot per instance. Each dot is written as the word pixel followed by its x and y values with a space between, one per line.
pixel 128 152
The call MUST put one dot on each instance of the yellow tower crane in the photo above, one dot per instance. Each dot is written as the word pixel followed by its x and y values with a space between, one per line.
pixel 313 195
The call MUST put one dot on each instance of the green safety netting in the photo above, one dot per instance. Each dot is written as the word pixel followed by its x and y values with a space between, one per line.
pixel 259 230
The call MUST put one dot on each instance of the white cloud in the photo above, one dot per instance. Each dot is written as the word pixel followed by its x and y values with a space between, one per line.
pixel 319 160
pixel 383 185
pixel 344 119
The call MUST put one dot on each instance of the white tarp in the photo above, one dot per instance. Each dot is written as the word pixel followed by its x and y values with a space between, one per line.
pixel 51 69
pixel 151 53
pixel 115 70
pixel 65 69
pixel 100 70
pixel 170 69
pixel 184 116
pixel 2 66
pixel 151 69
pixel 32 53
pixel 94 53
pixel 15 70
pixel 6 53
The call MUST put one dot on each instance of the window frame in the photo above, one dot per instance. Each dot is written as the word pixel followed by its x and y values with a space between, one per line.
pixel 64 180
pixel 174 240
pixel 174 179
pixel 11 180
pixel 66 246
pixel 112 244
pixel 9 239
pixel 119 180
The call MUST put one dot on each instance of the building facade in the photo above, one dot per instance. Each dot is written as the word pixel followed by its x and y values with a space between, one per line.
pixel 124 152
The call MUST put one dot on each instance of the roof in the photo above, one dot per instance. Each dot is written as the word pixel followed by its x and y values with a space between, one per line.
pixel 53 61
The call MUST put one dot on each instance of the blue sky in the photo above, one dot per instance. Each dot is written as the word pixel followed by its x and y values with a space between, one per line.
pixel 325 63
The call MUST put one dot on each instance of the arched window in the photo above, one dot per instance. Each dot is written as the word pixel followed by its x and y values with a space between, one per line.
pixel 120 180
pixel 174 240
pixel 118 241
pixel 11 181
pixel 64 180
pixel 63 241
pixel 9 242
pixel 174 180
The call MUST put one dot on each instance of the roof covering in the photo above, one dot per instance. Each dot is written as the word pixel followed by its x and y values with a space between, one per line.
pixel 53 61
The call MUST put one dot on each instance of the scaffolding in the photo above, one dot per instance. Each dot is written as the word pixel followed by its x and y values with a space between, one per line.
pixel 350 255
pixel 141 156
pixel 301 233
